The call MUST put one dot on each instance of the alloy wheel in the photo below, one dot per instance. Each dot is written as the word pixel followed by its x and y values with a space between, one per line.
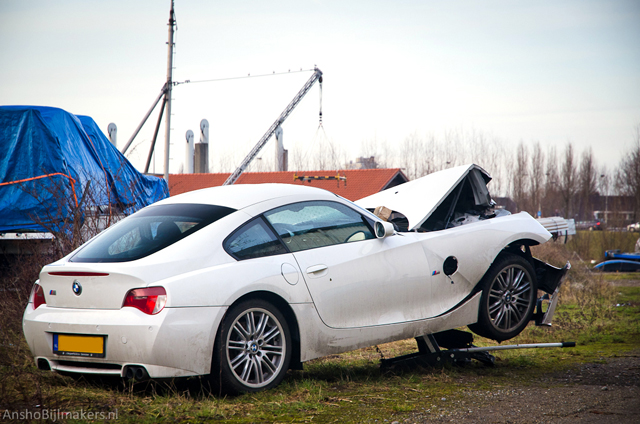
pixel 256 346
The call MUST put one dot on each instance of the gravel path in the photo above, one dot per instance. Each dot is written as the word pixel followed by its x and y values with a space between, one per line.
pixel 591 393
pixel 606 393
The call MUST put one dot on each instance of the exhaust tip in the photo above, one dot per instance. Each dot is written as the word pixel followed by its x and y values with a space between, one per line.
pixel 44 365
pixel 129 373
pixel 141 374
pixel 136 372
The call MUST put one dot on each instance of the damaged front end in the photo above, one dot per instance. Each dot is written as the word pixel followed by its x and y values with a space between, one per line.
pixel 550 279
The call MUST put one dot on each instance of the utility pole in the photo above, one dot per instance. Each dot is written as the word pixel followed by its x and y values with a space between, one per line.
pixel 167 94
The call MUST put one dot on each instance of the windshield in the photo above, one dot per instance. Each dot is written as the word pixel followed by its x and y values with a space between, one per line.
pixel 149 231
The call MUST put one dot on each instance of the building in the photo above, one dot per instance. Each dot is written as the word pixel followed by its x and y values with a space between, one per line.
pixel 363 163
pixel 352 184
pixel 615 210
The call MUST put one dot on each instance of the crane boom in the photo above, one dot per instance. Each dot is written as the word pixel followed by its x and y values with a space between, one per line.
pixel 317 75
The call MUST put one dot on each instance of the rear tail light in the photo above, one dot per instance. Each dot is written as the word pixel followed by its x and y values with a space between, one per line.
pixel 37 296
pixel 149 300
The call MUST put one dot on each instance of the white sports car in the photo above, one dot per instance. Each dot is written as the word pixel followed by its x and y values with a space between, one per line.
pixel 244 282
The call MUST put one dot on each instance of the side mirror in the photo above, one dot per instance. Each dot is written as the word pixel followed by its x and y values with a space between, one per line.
pixel 383 229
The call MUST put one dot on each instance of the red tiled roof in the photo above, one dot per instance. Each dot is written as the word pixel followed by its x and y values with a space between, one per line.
pixel 360 182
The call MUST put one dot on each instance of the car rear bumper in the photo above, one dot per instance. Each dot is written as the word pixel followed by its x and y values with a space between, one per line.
pixel 550 279
pixel 176 342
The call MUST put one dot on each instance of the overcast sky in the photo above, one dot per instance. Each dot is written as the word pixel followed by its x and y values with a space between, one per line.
pixel 548 71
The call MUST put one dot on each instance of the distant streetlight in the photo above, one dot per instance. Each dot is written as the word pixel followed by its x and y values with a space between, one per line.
pixel 606 197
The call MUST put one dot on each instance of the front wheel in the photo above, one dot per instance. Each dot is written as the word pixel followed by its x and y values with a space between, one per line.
pixel 253 348
pixel 509 292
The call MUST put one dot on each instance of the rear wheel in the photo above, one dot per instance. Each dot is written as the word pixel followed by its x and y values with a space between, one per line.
pixel 509 292
pixel 253 348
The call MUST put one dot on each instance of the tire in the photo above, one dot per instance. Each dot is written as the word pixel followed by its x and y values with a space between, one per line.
pixel 252 350
pixel 509 291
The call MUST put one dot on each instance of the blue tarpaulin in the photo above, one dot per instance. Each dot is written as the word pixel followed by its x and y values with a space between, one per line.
pixel 54 164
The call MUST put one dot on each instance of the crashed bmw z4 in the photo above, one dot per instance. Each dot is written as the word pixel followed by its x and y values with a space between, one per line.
pixel 241 283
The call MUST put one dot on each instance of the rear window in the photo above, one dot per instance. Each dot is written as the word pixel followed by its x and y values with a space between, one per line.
pixel 148 231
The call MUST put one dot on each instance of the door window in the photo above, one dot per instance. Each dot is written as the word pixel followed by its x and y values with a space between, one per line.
pixel 307 225
pixel 253 240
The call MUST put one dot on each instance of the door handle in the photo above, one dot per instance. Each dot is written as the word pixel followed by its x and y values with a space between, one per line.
pixel 316 268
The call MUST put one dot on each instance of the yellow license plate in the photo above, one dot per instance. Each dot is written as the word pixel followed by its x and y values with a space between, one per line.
pixel 78 345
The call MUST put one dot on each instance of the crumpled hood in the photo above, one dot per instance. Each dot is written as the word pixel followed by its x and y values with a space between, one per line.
pixel 418 199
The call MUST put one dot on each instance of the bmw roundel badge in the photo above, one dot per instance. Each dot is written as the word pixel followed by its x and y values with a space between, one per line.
pixel 77 288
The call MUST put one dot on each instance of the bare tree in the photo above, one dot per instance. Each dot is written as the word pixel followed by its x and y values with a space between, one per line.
pixel 628 175
pixel 327 155
pixel 551 183
pixel 380 150
pixel 494 161
pixel 412 154
pixel 297 159
pixel 568 184
pixel 521 177
pixel 537 176
pixel 481 153
pixel 587 184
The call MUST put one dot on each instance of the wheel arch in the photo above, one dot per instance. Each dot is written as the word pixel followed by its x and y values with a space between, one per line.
pixel 520 247
pixel 284 307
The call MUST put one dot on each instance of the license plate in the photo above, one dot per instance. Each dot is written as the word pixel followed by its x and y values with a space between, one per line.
pixel 78 345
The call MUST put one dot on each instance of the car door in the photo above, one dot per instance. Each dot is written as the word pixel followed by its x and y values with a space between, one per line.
pixel 263 260
pixel 355 279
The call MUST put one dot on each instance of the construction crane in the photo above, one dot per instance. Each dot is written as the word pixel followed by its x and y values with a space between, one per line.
pixel 317 76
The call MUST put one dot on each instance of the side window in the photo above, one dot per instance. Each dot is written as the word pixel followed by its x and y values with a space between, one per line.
pixel 253 240
pixel 307 225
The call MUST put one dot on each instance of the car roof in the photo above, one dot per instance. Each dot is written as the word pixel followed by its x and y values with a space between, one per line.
pixel 240 196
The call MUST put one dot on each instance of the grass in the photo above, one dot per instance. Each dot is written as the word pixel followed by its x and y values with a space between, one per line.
pixel 602 318
pixel 591 245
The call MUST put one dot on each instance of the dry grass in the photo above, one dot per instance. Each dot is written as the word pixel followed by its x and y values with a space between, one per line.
pixel 591 296
pixel 591 245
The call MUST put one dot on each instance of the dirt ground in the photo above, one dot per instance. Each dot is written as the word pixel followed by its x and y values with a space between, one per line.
pixel 607 393
pixel 591 393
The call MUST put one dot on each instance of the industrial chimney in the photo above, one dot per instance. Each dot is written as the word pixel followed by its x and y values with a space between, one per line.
pixel 202 149
pixel 188 154
pixel 282 157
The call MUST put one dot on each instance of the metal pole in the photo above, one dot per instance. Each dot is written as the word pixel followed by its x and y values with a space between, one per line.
pixel 518 346
pixel 167 95
pixel 135 133
pixel 155 137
